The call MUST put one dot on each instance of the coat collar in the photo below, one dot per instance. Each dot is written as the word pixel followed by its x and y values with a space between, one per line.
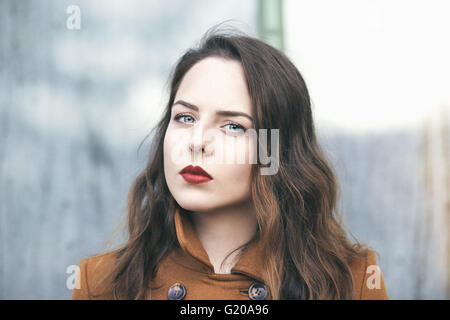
pixel 250 263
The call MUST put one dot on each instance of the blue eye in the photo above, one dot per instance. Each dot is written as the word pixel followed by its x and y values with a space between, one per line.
pixel 236 127
pixel 178 116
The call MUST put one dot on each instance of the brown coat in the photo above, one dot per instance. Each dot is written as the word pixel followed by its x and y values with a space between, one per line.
pixel 190 266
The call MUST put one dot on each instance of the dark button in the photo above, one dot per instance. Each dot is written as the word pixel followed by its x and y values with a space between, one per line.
pixel 176 292
pixel 257 291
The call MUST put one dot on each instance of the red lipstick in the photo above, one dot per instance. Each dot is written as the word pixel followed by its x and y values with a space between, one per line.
pixel 195 174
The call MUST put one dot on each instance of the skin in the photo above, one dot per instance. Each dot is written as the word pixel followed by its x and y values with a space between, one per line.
pixel 221 209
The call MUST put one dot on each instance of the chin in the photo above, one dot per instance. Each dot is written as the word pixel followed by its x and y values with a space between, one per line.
pixel 195 206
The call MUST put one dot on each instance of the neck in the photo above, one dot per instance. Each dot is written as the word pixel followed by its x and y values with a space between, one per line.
pixel 224 229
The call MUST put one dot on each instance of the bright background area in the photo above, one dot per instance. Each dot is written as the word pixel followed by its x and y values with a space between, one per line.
pixel 76 104
pixel 385 64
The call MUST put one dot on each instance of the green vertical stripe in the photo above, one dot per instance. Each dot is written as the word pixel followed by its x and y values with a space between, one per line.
pixel 270 22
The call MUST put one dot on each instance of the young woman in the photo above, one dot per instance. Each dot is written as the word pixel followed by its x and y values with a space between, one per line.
pixel 200 228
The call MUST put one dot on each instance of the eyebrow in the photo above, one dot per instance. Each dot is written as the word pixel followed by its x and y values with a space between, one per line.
pixel 220 112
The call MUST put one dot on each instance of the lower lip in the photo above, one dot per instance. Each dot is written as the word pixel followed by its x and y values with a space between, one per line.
pixel 195 178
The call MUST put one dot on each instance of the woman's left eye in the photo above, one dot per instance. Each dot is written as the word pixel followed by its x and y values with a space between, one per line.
pixel 235 127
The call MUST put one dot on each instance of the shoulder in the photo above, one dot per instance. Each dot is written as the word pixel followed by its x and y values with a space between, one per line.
pixel 89 274
pixel 368 279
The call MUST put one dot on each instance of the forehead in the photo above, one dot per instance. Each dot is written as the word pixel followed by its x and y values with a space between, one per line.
pixel 216 83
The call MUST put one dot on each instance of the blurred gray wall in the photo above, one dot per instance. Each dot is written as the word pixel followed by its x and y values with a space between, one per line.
pixel 395 198
pixel 76 104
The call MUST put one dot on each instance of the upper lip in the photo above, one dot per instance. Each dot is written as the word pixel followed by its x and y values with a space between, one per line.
pixel 195 170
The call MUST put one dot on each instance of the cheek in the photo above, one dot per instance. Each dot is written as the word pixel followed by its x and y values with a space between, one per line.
pixel 236 182
pixel 167 147
pixel 239 150
pixel 174 147
pixel 237 173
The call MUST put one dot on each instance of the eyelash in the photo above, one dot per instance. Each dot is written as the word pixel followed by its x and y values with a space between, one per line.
pixel 178 116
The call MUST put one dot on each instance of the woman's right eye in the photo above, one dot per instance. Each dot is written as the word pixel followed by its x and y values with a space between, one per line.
pixel 178 116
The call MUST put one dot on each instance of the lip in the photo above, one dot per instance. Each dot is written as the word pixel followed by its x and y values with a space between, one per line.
pixel 195 174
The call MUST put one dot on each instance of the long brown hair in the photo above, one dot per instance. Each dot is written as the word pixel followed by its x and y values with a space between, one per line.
pixel 308 254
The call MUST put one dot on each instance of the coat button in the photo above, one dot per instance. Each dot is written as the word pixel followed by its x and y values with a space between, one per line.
pixel 257 291
pixel 176 292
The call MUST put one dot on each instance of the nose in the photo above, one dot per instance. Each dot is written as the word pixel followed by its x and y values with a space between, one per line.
pixel 195 148
pixel 197 144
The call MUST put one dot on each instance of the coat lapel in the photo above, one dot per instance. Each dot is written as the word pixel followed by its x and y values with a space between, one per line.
pixel 250 263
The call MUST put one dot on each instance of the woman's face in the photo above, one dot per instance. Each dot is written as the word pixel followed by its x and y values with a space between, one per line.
pixel 200 135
